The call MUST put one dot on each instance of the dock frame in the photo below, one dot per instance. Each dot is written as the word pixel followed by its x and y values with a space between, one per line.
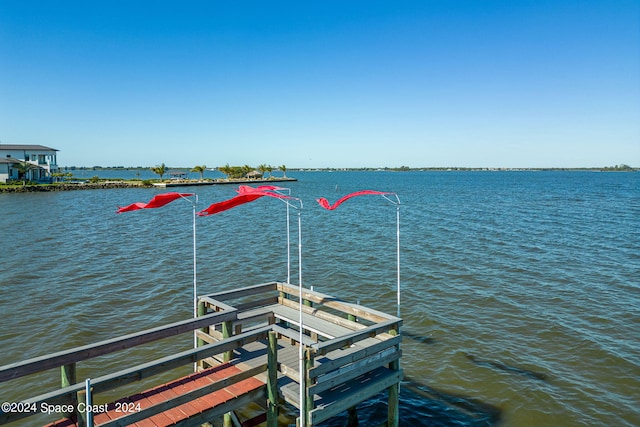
pixel 248 351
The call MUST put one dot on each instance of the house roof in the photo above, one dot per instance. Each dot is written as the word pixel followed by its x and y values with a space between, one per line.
pixel 11 160
pixel 26 147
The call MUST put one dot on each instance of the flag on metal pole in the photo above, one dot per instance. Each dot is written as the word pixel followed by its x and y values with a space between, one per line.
pixel 157 201
pixel 387 195
pixel 248 194
pixel 244 196
pixel 163 199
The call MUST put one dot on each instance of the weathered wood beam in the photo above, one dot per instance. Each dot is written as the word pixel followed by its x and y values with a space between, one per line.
pixel 346 340
pixel 77 354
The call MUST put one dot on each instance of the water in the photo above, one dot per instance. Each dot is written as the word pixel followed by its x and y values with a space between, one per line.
pixel 520 290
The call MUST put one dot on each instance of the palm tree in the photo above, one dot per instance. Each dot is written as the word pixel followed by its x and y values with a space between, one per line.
pixel 226 169
pixel 270 170
pixel 263 169
pixel 160 170
pixel 23 169
pixel 200 170
pixel 283 168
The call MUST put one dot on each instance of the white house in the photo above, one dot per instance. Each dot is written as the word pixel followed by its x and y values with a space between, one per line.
pixel 42 161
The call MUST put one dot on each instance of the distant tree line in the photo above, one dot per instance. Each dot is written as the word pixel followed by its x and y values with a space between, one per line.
pixel 618 168
pixel 231 172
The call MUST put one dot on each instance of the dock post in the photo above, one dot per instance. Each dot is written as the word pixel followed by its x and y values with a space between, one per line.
pixel 202 310
pixel 67 378
pixel 81 421
pixel 393 416
pixel 352 411
pixel 226 333
pixel 308 398
pixel 272 380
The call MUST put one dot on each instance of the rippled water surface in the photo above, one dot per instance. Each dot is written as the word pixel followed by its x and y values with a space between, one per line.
pixel 520 290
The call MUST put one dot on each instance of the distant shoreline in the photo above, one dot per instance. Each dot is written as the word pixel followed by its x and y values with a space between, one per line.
pixel 109 184
pixel 616 168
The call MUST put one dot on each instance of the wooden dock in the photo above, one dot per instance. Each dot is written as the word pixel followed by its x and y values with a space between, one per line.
pixel 249 350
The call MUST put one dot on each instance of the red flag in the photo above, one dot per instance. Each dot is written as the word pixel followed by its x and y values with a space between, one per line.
pixel 246 194
pixel 248 189
pixel 325 203
pixel 158 201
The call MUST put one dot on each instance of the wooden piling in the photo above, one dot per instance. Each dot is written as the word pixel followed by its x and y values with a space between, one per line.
pixel 353 414
pixel 227 420
pixel 68 378
pixel 202 310
pixel 81 396
pixel 272 380
pixel 308 398
pixel 393 416
pixel 226 333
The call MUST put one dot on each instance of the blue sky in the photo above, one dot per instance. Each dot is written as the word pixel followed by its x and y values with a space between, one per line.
pixel 323 84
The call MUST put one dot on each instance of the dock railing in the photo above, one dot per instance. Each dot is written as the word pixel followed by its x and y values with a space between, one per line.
pixel 351 352
pixel 70 394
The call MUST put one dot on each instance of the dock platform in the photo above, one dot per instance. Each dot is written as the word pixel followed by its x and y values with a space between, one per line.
pixel 250 349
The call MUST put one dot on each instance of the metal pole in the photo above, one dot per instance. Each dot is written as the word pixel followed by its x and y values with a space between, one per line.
pixel 398 252
pixel 288 248
pixel 89 412
pixel 195 274
pixel 301 365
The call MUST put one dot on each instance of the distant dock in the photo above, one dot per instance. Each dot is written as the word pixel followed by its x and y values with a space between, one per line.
pixel 253 344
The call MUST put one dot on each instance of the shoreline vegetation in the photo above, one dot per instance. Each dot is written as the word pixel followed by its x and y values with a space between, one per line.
pixel 101 184
pixel 234 175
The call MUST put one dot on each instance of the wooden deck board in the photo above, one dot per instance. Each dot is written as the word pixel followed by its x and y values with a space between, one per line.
pixel 310 322
pixel 166 392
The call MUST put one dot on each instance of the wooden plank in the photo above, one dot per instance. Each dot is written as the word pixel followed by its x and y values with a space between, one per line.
pixel 331 403
pixel 77 354
pixel 333 360
pixel 291 393
pixel 268 301
pixel 242 292
pixel 293 335
pixel 353 337
pixel 218 411
pixel 236 383
pixel 216 305
pixel 311 323
pixel 341 321
pixel 337 304
pixel 255 312
pixel 206 337
pixel 145 370
pixel 354 370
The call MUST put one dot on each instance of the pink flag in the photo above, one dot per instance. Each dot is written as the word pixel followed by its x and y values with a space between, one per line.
pixel 325 203
pixel 158 201
pixel 246 194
